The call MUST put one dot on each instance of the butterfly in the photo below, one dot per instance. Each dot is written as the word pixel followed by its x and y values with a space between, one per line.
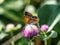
pixel 30 19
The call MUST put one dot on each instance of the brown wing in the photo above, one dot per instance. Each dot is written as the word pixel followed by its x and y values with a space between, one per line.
pixel 28 14
pixel 27 17
pixel 34 19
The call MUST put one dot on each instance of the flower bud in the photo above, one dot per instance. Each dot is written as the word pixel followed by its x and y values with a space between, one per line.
pixel 9 27
pixel 44 27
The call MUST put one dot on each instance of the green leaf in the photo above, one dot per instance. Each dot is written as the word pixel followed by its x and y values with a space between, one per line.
pixel 15 5
pixel 58 43
pixel 12 16
pixel 48 13
pixel 45 12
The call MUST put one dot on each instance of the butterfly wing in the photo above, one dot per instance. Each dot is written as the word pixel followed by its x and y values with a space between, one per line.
pixel 34 19
pixel 27 17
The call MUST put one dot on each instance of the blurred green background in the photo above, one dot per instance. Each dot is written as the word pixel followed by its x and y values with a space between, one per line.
pixel 12 11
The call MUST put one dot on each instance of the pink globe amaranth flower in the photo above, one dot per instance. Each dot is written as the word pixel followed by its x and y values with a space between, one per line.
pixel 30 30
pixel 44 27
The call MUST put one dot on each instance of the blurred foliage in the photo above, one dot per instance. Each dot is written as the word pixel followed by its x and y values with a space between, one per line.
pixel 47 15
pixel 12 11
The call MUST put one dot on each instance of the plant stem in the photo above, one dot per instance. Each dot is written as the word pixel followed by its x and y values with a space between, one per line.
pixel 45 41
pixel 38 27
pixel 12 42
pixel 30 42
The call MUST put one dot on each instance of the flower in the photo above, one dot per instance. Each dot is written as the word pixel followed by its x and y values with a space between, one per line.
pixel 9 27
pixel 44 27
pixel 12 27
pixel 30 30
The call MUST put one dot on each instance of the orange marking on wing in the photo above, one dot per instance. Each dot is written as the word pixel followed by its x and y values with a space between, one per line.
pixel 27 19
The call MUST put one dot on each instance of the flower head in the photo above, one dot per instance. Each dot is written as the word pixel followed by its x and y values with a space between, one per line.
pixel 9 27
pixel 30 30
pixel 44 27
pixel 12 27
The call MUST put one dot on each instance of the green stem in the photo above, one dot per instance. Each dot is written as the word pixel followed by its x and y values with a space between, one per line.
pixel 45 41
pixel 22 40
pixel 38 27
pixel 30 42
pixel 12 42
